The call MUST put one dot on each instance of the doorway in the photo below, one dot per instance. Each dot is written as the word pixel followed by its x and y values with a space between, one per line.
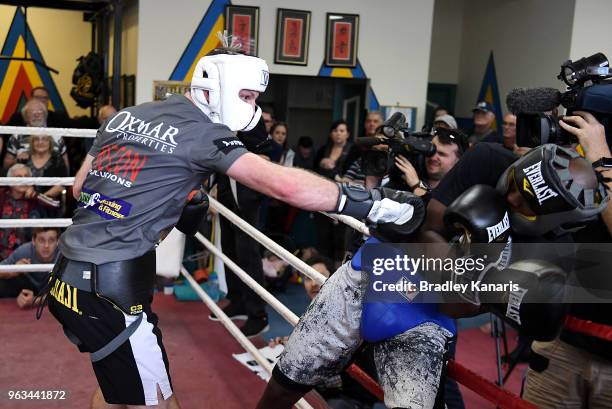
pixel 310 104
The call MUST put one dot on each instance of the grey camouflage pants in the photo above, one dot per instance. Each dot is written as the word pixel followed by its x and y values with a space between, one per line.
pixel 409 365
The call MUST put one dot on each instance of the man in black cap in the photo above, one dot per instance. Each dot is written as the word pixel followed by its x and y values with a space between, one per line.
pixel 484 118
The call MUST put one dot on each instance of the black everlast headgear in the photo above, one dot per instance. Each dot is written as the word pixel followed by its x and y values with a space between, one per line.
pixel 560 203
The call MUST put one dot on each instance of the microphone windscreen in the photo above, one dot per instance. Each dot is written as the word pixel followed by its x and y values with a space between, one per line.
pixel 533 100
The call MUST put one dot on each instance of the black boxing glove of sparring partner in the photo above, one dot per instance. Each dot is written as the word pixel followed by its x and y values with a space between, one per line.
pixel 391 215
pixel 529 295
pixel 480 213
pixel 193 212
pixel 479 218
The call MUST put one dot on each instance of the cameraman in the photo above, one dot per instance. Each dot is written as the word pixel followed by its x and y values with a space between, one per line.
pixel 450 145
pixel 575 370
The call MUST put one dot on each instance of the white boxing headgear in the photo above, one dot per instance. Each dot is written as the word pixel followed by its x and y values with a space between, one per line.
pixel 223 76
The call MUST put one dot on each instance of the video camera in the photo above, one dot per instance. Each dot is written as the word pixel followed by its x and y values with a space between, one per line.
pixel 398 139
pixel 589 88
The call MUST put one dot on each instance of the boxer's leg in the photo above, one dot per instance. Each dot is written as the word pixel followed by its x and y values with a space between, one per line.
pixel 410 366
pixel 323 341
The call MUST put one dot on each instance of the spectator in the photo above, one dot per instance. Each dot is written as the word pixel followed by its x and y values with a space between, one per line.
pixel 450 145
pixel 282 154
pixel 105 112
pixel 16 202
pixel 44 162
pixel 331 158
pixel 41 250
pixel 268 118
pixel 355 172
pixel 304 154
pixel 484 118
pixel 35 114
pixel 439 111
pixel 54 119
pixel 331 162
pixel 340 391
pixel 509 132
pixel 445 121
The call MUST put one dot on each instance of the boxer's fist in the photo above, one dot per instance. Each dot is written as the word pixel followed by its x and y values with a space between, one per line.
pixel 481 212
pixel 193 213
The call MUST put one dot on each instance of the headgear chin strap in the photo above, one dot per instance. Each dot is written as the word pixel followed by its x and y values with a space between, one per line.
pixel 560 203
pixel 224 76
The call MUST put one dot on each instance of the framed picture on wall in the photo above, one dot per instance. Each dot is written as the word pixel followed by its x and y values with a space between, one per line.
pixel 242 23
pixel 292 37
pixel 409 113
pixel 341 37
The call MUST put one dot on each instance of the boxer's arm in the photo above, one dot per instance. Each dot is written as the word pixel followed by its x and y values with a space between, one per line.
pixel 79 179
pixel 295 186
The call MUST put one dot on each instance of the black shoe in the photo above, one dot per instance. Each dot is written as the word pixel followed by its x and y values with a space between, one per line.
pixel 255 326
pixel 232 311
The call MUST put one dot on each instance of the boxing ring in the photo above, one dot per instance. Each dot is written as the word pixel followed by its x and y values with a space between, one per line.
pixel 486 389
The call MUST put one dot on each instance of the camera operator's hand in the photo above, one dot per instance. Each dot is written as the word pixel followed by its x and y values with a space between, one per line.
pixel 409 173
pixel 590 133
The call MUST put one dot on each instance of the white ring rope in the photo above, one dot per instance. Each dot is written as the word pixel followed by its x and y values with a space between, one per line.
pixel 26 268
pixel 267 242
pixel 272 301
pixel 63 132
pixel 349 221
pixel 8 223
pixel 42 181
pixel 234 330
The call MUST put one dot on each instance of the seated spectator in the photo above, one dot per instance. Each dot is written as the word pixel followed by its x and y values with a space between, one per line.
pixel 44 162
pixel 105 112
pixel 17 149
pixel 41 250
pixel 282 154
pixel 17 202
pixel 54 119
pixel 340 391
pixel 304 153
pixel 331 159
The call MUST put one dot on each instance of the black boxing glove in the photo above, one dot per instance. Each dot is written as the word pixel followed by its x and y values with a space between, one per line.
pixel 529 295
pixel 396 213
pixel 481 212
pixel 193 213
pixel 394 232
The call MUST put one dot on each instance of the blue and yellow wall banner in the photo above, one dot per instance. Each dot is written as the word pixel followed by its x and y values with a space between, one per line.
pixel 203 41
pixel 489 91
pixel 17 78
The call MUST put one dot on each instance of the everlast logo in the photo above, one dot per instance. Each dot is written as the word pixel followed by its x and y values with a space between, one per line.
pixel 65 295
pixel 497 230
pixel 536 180
pixel 154 135
pixel 514 305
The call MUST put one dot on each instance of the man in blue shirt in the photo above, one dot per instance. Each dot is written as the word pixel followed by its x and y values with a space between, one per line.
pixel 41 250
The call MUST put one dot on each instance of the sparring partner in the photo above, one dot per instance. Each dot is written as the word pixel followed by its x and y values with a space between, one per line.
pixel 135 185
pixel 550 379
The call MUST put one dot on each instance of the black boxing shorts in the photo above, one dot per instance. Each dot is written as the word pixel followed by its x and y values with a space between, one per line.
pixel 134 371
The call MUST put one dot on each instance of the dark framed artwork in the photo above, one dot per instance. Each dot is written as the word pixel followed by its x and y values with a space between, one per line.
pixel 341 38
pixel 292 37
pixel 242 23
